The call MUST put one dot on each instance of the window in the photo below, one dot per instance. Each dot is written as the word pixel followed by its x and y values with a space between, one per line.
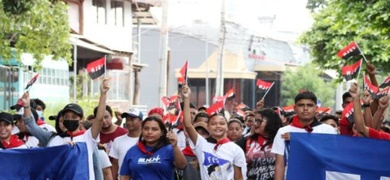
pixel 118 8
pixel 99 10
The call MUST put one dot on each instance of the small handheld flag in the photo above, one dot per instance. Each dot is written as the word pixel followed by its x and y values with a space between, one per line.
pixel 351 71
pixel 382 93
pixel 351 50
pixel 288 109
pixel 347 114
pixel 31 82
pixel 167 101
pixel 215 108
pixel 96 68
pixel 184 72
pixel 241 106
pixel 264 86
pixel 322 110
pixel 385 83
pixel 369 86
pixel 230 94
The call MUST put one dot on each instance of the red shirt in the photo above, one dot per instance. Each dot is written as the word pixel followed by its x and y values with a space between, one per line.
pixel 378 134
pixel 106 138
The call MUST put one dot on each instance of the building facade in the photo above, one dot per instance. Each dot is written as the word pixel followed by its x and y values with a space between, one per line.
pixel 103 28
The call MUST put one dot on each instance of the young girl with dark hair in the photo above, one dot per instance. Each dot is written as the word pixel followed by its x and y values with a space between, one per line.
pixel 257 147
pixel 218 157
pixel 156 154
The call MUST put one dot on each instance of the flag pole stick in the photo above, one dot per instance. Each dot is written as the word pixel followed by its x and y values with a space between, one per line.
pixel 188 64
pixel 364 57
pixel 105 66
pixel 268 90
pixel 360 69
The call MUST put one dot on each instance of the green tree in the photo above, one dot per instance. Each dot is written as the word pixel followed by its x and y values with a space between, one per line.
pixel 38 27
pixel 307 78
pixel 313 5
pixel 343 21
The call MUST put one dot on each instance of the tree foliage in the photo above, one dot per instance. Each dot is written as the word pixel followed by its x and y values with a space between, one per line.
pixel 312 5
pixel 344 21
pixel 307 78
pixel 38 27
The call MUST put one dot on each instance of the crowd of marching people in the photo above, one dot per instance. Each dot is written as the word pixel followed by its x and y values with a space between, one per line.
pixel 197 143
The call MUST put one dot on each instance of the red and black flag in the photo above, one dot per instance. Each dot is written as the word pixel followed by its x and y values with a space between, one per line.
pixel 172 120
pixel 169 102
pixel 31 82
pixel 184 72
pixel 96 68
pixel 215 108
pixel 369 86
pixel 288 109
pixel 322 110
pixel 241 106
pixel 264 85
pixel 347 115
pixel 382 93
pixel 230 94
pixel 385 83
pixel 351 71
pixel 351 50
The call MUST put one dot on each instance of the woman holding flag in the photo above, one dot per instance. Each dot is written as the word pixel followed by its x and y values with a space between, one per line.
pixel 218 157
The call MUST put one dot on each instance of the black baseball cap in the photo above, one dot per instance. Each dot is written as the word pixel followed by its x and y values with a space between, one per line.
pixel 74 108
pixel 17 106
pixel 7 117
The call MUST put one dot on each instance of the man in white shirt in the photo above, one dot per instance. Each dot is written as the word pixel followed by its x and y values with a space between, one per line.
pixel 304 122
pixel 123 143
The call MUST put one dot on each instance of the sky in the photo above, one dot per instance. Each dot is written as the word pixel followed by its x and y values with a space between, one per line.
pixel 288 15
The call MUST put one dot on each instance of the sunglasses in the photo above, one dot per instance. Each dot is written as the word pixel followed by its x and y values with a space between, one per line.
pixel 259 121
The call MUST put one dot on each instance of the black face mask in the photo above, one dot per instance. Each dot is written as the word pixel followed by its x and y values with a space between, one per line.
pixel 71 125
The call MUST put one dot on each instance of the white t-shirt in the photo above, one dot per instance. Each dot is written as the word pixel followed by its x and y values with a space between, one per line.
pixel 31 141
pixel 120 146
pixel 105 161
pixel 181 138
pixel 279 145
pixel 218 164
pixel 48 127
pixel 87 138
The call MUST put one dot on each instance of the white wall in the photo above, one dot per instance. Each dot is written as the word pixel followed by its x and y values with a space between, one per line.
pixel 109 35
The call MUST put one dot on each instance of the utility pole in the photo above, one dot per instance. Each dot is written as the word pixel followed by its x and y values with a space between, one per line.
pixel 163 52
pixel 207 71
pixel 219 80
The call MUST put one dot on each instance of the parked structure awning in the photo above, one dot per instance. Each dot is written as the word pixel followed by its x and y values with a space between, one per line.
pixel 81 41
pixel 234 67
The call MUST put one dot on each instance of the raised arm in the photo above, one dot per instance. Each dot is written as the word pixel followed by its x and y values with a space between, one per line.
pixel 119 119
pixel 367 110
pixel 260 104
pixel 42 135
pixel 383 104
pixel 97 125
pixel 371 74
pixel 180 161
pixel 186 92
pixel 357 113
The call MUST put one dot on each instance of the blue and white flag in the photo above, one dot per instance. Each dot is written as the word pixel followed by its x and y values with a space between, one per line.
pixel 59 162
pixel 334 157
